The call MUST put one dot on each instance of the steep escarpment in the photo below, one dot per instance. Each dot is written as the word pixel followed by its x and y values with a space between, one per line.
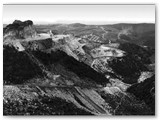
pixel 17 67
pixel 24 68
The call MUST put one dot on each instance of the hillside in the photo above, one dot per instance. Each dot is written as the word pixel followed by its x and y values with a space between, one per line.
pixel 87 67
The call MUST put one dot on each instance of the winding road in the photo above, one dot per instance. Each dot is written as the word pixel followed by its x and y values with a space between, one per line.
pixel 106 32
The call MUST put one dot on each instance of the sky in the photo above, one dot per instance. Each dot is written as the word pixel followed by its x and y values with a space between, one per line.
pixel 87 14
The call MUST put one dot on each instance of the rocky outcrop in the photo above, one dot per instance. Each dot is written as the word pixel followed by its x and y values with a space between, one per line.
pixel 41 45
pixel 19 30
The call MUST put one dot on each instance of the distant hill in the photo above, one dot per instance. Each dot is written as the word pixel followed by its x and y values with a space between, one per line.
pixel 142 34
pixel 77 25
pixel 138 28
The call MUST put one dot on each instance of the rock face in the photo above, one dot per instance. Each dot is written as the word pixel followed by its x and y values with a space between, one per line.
pixel 19 30
pixel 94 78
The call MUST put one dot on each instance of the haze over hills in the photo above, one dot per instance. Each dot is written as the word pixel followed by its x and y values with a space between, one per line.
pixel 96 69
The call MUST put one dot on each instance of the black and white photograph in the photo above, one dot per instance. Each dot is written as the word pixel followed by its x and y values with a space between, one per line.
pixel 79 59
